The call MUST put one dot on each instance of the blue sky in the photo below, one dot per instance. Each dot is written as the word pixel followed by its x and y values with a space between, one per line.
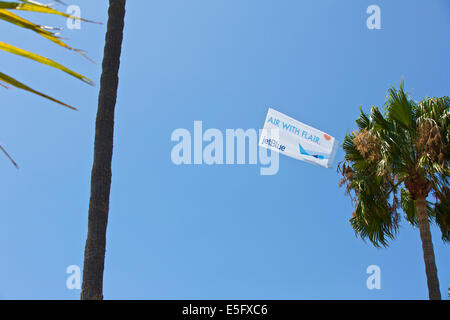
pixel 211 232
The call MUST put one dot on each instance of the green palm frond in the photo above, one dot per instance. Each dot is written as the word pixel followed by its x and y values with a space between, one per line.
pixel 442 213
pixel 363 121
pixel 408 207
pixel 399 106
pixel 379 120
pixel 375 218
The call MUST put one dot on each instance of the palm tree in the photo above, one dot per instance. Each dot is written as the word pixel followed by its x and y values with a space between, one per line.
pixel 94 254
pixel 400 159
pixel 7 15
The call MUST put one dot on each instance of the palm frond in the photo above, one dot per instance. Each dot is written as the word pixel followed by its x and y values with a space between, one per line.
pixel 7 79
pixel 20 52
pixel 10 17
pixel 363 121
pixel 442 214
pixel 33 6
pixel 399 107
pixel 9 157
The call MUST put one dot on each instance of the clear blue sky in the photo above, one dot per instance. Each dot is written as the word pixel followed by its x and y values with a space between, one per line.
pixel 212 232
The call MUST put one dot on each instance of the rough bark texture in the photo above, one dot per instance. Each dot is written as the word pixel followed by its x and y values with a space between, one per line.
pixel 428 251
pixel 94 254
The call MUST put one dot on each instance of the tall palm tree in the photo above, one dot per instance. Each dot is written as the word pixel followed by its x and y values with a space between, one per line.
pixel 94 255
pixel 400 159
pixel 7 15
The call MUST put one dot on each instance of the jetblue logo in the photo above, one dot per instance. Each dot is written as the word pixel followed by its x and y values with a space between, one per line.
pixel 273 143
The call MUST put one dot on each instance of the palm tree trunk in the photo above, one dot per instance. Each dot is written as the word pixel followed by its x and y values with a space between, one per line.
pixel 428 251
pixel 94 253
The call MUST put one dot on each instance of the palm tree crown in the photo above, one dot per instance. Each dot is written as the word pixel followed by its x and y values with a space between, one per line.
pixel 399 159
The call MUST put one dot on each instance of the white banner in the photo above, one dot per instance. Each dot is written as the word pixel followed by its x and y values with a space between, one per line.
pixel 297 140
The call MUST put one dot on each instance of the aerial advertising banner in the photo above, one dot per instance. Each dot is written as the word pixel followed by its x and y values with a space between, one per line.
pixel 297 140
